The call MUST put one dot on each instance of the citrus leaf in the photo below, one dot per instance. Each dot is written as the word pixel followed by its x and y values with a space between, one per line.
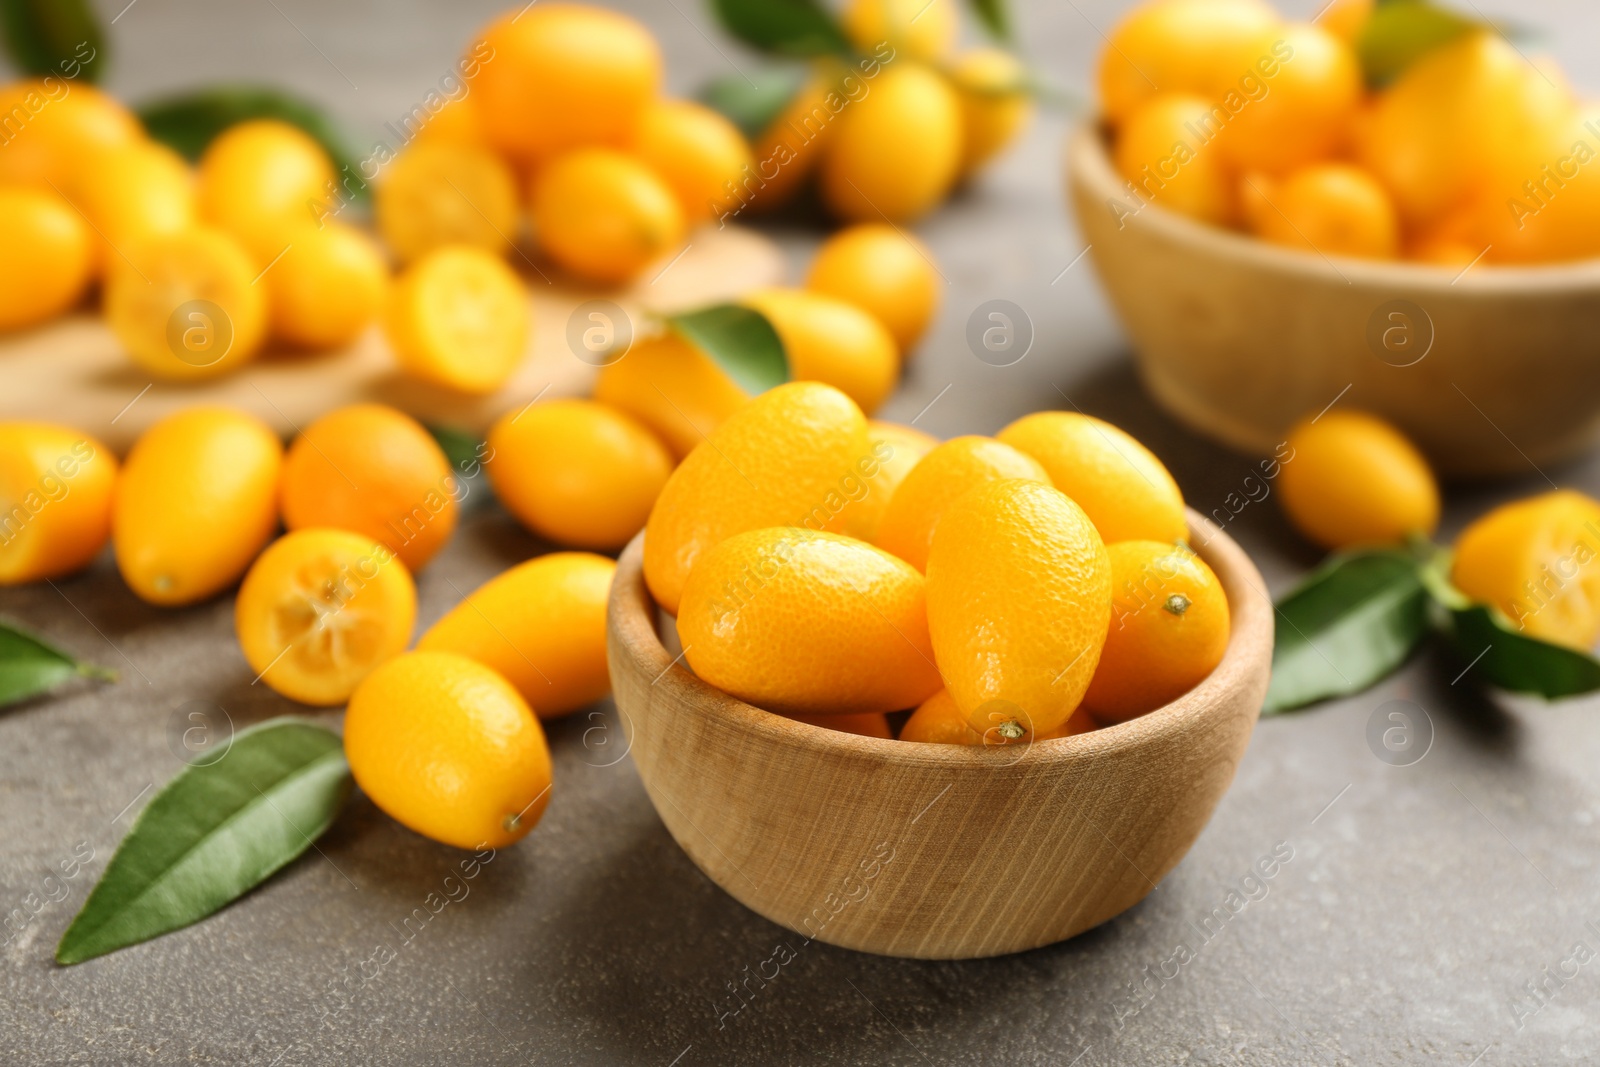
pixel 1350 624
pixel 218 829
pixel 753 104
pixel 30 666
pixel 1496 652
pixel 60 37
pixel 994 16
pixel 740 340
pixel 783 27
pixel 1399 32
pixel 190 121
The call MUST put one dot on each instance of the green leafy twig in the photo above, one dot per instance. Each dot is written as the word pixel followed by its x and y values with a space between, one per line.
pixel 1363 613
pixel 59 37
pixel 217 830
pixel 31 666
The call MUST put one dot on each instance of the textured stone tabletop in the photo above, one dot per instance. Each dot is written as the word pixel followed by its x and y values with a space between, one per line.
pixel 1415 904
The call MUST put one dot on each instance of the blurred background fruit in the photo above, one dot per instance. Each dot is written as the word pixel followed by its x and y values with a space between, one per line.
pixel 459 318
pixel 577 472
pixel 56 487
pixel 46 259
pixel 372 470
pixel 196 501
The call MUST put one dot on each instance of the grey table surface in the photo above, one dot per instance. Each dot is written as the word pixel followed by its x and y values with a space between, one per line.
pixel 1419 904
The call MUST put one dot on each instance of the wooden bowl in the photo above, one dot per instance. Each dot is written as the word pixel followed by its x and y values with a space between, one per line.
pixel 1488 371
pixel 934 851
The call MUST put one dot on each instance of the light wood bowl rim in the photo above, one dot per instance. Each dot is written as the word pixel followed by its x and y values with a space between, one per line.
pixel 1089 165
pixel 633 615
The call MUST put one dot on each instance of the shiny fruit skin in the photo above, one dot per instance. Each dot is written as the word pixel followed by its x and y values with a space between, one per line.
pixel 604 215
pixel 135 192
pixel 895 152
pixel 830 341
pixel 564 75
pixel 1308 108
pixel 1353 479
pixel 1537 560
pixel 782 460
pixel 150 304
pixel 673 389
pixel 446 747
pixel 1169 630
pixel 1331 209
pixel 923 30
pixel 701 156
pixel 372 470
pixel 996 104
pixel 1201 47
pixel 56 488
pixel 800 622
pixel 460 318
pixel 577 472
pixel 887 273
pixel 938 721
pixel 942 476
pixel 328 288
pixel 196 501
pixel 1125 490
pixel 1439 127
pixel 261 177
pixel 319 609
pixel 45 259
pixel 58 130
pixel 446 192
pixel 896 450
pixel 1160 151
pixel 1019 597
pixel 542 625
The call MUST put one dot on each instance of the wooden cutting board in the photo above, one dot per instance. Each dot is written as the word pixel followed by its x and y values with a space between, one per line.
pixel 74 372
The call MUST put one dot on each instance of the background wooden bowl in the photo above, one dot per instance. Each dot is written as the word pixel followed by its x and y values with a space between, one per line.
pixel 1488 371
pixel 934 851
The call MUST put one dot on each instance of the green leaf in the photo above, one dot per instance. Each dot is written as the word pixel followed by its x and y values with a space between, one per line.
pixel 740 340
pixel 30 666
pixel 753 104
pixel 218 829
pixel 188 122
pixel 60 37
pixel 1399 32
pixel 1347 626
pixel 994 16
pixel 783 27
pixel 1496 652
